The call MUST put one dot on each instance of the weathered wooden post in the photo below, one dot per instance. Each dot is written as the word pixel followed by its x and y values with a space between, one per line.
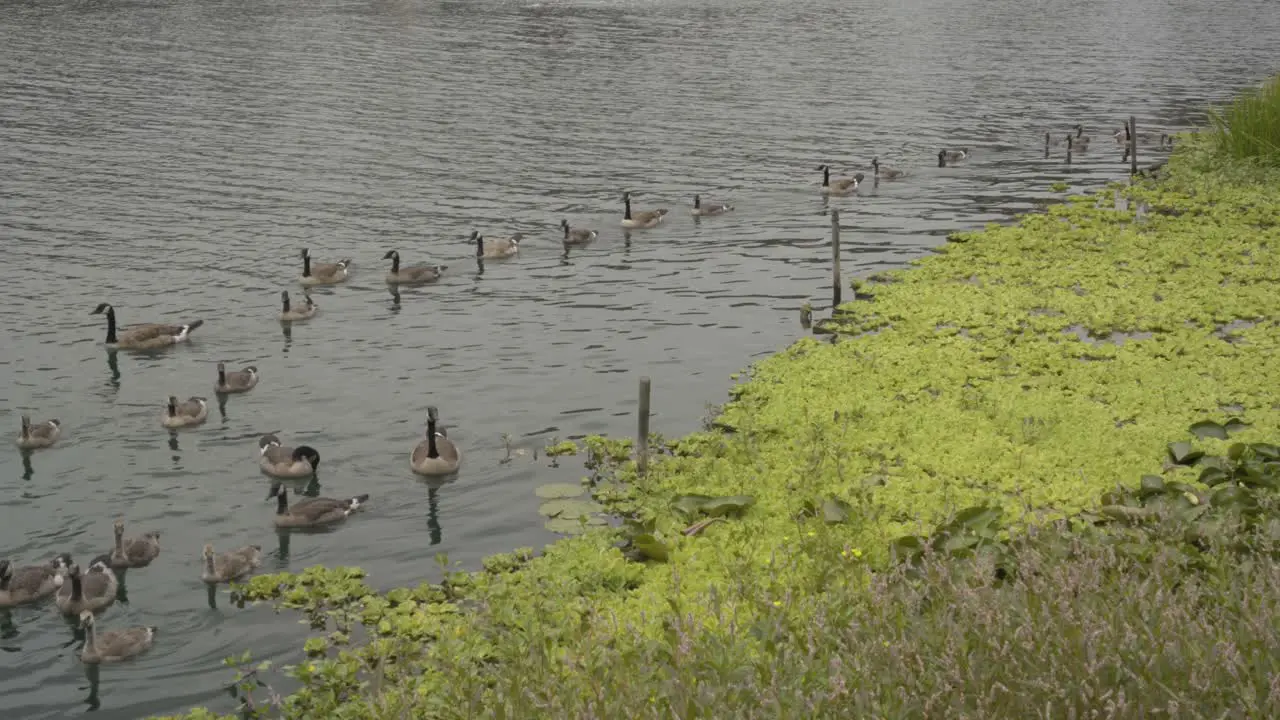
pixel 1133 145
pixel 642 427
pixel 835 259
pixel 1046 146
pixel 1069 145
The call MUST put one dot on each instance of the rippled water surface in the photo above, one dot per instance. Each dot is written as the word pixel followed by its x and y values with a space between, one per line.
pixel 172 157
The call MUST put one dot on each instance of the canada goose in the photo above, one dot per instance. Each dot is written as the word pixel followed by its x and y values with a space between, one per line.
pixel 93 591
pixel 134 552
pixel 31 583
pixel 1076 145
pixel 192 411
pixel 577 236
pixel 285 462
pixel 839 186
pixel 436 455
pixel 640 220
pixel 113 645
pixel 230 565
pixel 236 381
pixel 312 512
pixel 289 314
pixel 151 336
pixel 322 273
pixel 413 275
pixel 884 171
pixel 1080 136
pixel 709 209
pixel 954 154
pixel 492 248
pixel 40 435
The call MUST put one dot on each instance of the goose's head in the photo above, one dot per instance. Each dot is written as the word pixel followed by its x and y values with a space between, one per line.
pixel 823 167
pixel 432 413
pixel 391 254
pixel 61 562
pixel 307 454
pixel 305 253
pixel 118 527
pixel 858 177
pixel 6 572
pixel 875 163
pixel 267 441
pixel 564 223
pixel 86 619
pixel 222 367
pixel 207 552
pixel 102 308
pixel 626 196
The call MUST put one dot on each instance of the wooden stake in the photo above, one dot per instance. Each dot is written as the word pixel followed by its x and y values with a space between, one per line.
pixel 642 427
pixel 1133 145
pixel 835 259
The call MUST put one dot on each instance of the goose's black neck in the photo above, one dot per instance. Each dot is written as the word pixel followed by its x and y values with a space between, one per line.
pixel 173 408
pixel 627 200
pixel 826 177
pixel 306 264
pixel 222 374
pixel 942 158
pixel 284 300
pixel 479 246
pixel 77 590
pixel 282 502
pixel 565 225
pixel 432 450
pixel 111 326
pixel 697 201
pixel 395 263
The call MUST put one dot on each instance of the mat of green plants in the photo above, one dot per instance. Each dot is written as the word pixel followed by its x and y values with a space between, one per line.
pixel 819 550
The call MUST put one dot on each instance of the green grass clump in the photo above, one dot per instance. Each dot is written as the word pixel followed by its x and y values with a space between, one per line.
pixel 1249 128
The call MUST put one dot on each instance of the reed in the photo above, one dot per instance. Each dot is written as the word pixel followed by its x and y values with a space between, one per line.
pixel 1249 127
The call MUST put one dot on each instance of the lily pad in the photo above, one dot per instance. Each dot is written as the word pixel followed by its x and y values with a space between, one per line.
pixel 651 547
pixel 557 491
pixel 689 505
pixel 1266 451
pixel 1235 425
pixel 568 508
pixel 571 526
pixel 978 517
pixel 733 505
pixel 1209 429
pixel 1152 485
pixel 835 510
pixel 1213 476
pixel 1183 453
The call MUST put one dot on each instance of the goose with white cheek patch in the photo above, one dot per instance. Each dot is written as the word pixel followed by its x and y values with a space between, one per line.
pixel 283 461
pixel 151 336
pixel 437 454
pixel 33 436
pixel 188 413
pixel 640 220
pixel 312 512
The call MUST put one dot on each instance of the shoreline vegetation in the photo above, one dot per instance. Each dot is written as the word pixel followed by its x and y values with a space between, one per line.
pixel 1030 476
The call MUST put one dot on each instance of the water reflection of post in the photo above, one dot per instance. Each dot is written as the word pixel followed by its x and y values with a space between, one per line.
pixel 92 674
pixel 222 407
pixel 395 298
pixel 434 529
pixel 27 469
pixel 113 364
pixel 173 443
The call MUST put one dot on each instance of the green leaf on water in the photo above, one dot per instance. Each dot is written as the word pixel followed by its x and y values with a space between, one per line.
pixel 1213 476
pixel 1183 453
pixel 728 506
pixel 568 508
pixel 1266 451
pixel 557 491
pixel 1234 497
pixel 835 510
pixel 1151 485
pixel 1236 451
pixel 1209 429
pixel 651 547
pixel 565 526
pixel 1235 425
pixel 977 517
pixel 689 505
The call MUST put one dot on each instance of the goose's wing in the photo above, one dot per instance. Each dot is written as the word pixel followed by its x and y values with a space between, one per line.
pixel 138 550
pixel 314 508
pixel 32 577
pixel 420 272
pixel 124 642
pixel 94 584
pixel 448 451
pixel 329 268
pixel 279 455
pixel 150 331
pixel 43 430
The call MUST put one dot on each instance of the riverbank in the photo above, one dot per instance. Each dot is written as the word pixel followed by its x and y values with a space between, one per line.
pixel 1028 368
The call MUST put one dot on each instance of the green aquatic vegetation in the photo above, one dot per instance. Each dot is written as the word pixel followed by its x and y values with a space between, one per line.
pixel 558 449
pixel 1013 380
pixel 554 491
pixel 1248 128
pixel 1059 186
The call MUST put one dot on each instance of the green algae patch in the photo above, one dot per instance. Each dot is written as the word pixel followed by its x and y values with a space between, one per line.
pixel 1017 377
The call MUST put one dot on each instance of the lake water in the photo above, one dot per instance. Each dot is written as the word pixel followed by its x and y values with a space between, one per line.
pixel 173 157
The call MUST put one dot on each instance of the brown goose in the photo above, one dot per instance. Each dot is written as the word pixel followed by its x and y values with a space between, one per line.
pixel 640 220
pixel 437 454
pixel 577 236
pixel 701 210
pixel 192 411
pixel 151 336
pixel 230 565
pixel 236 381
pixel 884 171
pixel 312 512
pixel 288 313
pixel 839 186
pixel 412 275
pixel 494 248
pixel 93 591
pixel 134 552
pixel 39 435
pixel 113 645
pixel 283 461
pixel 31 583
pixel 322 273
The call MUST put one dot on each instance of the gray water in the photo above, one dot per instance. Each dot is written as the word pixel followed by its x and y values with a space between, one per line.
pixel 172 157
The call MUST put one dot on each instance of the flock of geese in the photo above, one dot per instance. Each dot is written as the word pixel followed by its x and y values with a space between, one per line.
pixel 82 595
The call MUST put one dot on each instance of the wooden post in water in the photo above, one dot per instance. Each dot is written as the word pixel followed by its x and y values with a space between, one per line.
pixel 642 427
pixel 835 259
pixel 1133 145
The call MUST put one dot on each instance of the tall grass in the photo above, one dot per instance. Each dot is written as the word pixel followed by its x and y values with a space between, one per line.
pixel 1249 128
